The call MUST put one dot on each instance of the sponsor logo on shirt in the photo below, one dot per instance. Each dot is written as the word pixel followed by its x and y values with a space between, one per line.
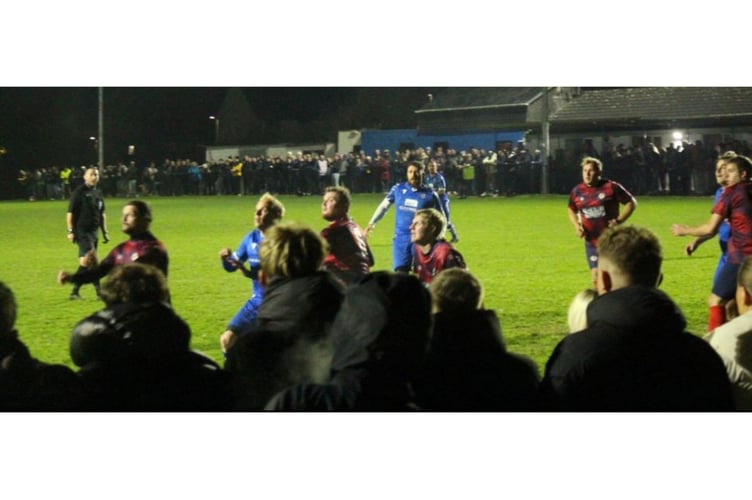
pixel 594 212
pixel 411 203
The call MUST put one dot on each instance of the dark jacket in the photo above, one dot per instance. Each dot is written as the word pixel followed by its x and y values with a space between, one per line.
pixel 635 356
pixel 136 357
pixel 27 384
pixel 290 344
pixel 380 338
pixel 469 369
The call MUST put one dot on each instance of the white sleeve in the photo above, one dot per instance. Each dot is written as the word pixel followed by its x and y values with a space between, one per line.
pixel 380 211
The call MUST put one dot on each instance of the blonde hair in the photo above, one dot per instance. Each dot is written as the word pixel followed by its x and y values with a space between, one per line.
pixel 292 250
pixel 273 205
pixel 577 314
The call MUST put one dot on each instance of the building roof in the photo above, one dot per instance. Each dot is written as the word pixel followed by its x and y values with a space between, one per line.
pixel 479 98
pixel 669 106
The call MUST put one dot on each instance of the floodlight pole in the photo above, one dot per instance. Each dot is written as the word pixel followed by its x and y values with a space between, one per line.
pixel 544 144
pixel 100 144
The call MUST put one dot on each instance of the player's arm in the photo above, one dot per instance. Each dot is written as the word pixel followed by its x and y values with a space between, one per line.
pixel 574 218
pixel 692 247
pixel 379 213
pixel 626 212
pixel 69 224
pixel 707 230
pixel 103 226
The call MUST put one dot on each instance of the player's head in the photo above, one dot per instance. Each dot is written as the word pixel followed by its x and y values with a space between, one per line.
pixel 432 167
pixel 8 312
pixel 455 290
pixel 577 313
pixel 336 202
pixel 427 226
pixel 628 255
pixel 291 250
pixel 737 169
pixel 91 176
pixel 414 173
pixel 269 211
pixel 592 169
pixel 136 217
pixel 744 286
pixel 720 167
pixel 135 283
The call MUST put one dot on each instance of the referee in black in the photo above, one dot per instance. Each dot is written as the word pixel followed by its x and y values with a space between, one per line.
pixel 85 218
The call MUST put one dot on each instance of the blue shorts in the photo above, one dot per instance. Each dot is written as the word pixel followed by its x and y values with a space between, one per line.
pixel 245 319
pixel 724 285
pixel 591 252
pixel 402 255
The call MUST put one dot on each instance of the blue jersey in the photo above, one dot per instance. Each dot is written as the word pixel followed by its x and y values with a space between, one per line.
pixel 248 250
pixel 435 182
pixel 409 200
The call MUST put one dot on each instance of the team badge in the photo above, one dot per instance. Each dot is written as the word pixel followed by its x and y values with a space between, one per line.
pixel 601 196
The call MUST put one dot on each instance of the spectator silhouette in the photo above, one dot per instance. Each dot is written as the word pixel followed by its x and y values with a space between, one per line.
pixel 27 384
pixel 379 338
pixel 468 367
pixel 635 354
pixel 134 354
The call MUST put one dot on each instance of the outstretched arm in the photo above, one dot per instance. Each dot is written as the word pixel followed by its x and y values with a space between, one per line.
pixel 378 214
pixel 707 230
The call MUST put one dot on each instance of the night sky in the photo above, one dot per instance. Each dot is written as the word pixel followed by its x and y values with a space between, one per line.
pixel 41 126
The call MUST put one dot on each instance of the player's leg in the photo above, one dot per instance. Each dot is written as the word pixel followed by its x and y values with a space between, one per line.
pixel 402 257
pixel 591 253
pixel 85 244
pixel 724 289
pixel 450 226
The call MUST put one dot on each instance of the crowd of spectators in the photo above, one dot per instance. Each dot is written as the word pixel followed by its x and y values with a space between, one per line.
pixel 511 169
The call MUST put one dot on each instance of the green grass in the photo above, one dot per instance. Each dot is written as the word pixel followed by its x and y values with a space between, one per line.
pixel 523 250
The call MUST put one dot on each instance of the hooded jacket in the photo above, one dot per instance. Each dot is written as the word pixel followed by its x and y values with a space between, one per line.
pixel 635 356
pixel 469 369
pixel 380 337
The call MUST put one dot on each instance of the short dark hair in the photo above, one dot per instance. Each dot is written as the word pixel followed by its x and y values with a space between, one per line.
pixel 634 250
pixel 136 283
pixel 142 209
pixel 343 196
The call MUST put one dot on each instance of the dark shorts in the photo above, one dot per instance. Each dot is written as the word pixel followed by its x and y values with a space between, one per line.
pixel 724 285
pixel 591 252
pixel 86 242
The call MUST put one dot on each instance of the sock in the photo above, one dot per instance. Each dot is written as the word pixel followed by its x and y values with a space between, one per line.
pixel 716 317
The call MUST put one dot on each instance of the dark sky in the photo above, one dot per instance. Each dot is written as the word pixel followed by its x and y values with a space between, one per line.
pixel 41 126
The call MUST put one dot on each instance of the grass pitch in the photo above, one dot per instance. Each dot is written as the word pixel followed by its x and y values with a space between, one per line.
pixel 523 250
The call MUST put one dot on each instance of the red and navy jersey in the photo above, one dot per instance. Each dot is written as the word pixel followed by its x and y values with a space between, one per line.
pixel 735 205
pixel 349 255
pixel 144 249
pixel 598 204
pixel 441 256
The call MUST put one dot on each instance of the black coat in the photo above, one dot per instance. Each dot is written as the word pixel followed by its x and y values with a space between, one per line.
pixel 469 369
pixel 635 356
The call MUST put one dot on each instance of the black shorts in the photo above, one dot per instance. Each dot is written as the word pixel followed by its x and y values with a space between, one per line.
pixel 86 241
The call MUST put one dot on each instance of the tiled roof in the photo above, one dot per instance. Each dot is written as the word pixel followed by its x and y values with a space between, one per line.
pixel 657 103
pixel 469 98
